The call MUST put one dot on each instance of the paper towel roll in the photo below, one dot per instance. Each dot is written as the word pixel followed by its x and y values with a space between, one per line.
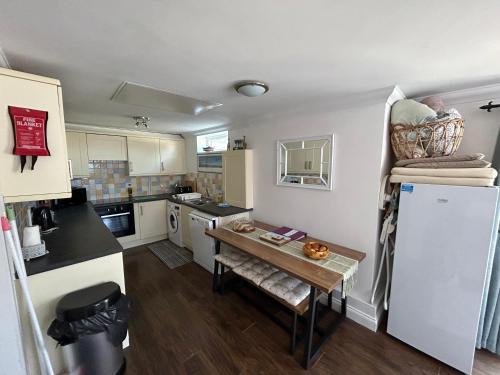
pixel 31 236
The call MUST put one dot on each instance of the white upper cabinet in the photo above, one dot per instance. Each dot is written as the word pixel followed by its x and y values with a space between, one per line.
pixel 50 177
pixel 237 178
pixel 172 156
pixel 77 153
pixel 143 156
pixel 106 147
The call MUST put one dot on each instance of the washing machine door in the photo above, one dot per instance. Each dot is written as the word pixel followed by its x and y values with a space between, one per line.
pixel 173 223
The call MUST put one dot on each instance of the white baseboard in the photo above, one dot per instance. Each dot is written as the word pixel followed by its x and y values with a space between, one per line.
pixel 134 243
pixel 361 312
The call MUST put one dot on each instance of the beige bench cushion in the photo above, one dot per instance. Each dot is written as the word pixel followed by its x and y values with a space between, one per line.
pixel 254 270
pixel 286 287
pixel 231 258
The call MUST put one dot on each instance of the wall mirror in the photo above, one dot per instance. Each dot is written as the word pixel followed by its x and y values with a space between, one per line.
pixel 305 162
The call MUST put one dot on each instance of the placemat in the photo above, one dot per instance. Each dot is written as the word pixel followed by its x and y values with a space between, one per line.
pixel 345 266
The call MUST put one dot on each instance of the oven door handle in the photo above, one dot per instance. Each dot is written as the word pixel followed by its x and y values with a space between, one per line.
pixel 115 215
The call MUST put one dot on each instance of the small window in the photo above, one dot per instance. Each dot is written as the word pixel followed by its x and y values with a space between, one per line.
pixel 218 141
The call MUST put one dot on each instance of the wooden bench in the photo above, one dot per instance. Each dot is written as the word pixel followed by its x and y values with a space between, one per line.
pixel 297 310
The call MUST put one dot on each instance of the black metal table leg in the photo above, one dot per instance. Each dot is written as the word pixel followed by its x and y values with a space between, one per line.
pixel 310 328
pixel 216 267
pixel 215 275
pixel 293 341
pixel 222 271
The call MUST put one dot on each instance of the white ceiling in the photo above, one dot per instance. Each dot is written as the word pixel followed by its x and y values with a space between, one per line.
pixel 306 50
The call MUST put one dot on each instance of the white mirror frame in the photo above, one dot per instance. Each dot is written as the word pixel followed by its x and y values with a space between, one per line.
pixel 328 185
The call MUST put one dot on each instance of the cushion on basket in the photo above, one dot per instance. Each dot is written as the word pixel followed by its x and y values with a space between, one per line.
pixel 255 270
pixel 231 258
pixel 411 112
pixel 286 287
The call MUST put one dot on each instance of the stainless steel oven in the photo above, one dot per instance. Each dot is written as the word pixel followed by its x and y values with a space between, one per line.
pixel 119 218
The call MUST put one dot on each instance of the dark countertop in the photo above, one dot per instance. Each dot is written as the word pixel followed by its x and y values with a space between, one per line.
pixel 81 236
pixel 209 208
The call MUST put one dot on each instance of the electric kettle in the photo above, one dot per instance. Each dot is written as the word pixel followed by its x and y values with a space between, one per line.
pixel 43 218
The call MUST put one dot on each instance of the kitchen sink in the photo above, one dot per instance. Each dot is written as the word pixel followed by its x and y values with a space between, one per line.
pixel 199 202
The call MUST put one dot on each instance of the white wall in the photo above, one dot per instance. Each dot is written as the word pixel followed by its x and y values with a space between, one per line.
pixel 481 128
pixel 348 215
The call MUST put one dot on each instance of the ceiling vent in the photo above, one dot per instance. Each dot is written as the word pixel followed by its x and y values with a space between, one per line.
pixel 143 96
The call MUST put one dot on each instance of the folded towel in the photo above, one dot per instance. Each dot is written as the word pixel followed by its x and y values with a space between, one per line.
pixel 453 158
pixel 443 172
pixel 450 164
pixel 399 179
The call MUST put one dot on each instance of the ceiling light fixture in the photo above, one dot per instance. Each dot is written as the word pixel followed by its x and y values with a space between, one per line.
pixel 141 121
pixel 251 88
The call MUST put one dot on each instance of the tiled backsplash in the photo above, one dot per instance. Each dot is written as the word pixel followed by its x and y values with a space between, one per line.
pixel 207 181
pixel 109 179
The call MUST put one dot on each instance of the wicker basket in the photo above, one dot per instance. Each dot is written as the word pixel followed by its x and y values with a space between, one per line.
pixel 437 138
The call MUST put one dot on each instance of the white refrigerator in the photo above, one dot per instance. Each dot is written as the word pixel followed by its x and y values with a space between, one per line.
pixel 443 242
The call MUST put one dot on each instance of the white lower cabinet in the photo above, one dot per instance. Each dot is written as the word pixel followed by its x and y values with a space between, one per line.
pixel 150 224
pixel 153 218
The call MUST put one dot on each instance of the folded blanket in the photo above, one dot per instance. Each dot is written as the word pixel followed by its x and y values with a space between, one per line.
pixel 450 164
pixel 453 158
pixel 399 179
pixel 443 172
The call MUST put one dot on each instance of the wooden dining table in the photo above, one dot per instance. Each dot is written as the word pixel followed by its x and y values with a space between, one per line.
pixel 320 279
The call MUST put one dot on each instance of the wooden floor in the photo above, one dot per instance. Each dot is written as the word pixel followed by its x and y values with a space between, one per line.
pixel 180 327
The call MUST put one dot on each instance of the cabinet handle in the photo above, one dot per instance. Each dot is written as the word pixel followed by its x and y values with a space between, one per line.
pixel 130 169
pixel 310 164
pixel 162 168
pixel 70 168
pixel 140 208
pixel 305 165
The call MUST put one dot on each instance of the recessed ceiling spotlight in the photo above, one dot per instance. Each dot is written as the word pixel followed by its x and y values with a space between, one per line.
pixel 251 88
pixel 141 121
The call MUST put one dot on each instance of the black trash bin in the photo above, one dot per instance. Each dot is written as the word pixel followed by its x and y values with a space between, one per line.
pixel 91 325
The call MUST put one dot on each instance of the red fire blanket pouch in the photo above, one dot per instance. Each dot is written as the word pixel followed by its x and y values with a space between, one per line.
pixel 30 133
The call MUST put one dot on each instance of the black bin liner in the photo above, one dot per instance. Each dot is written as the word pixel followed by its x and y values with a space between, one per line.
pixel 110 318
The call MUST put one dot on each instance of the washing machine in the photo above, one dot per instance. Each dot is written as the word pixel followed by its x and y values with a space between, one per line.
pixel 174 223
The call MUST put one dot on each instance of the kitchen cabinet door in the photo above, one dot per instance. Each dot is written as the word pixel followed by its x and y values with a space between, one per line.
pixel 106 147
pixel 237 178
pixel 77 153
pixel 143 156
pixel 50 177
pixel 172 156
pixel 153 218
